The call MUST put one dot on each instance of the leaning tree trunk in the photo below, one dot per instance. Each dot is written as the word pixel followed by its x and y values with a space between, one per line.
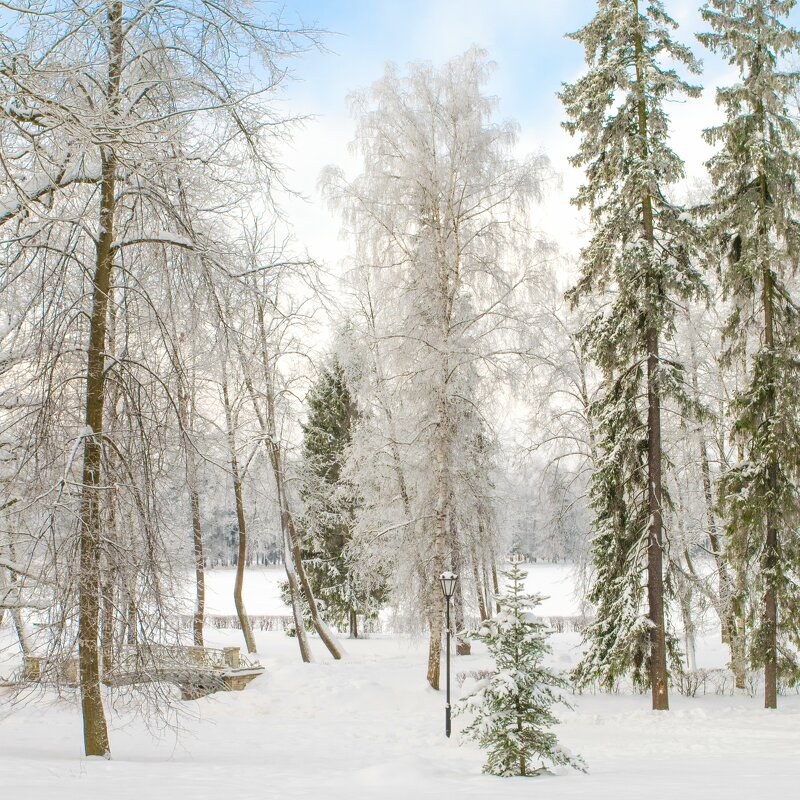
pixel 16 618
pixel 269 430
pixel 321 627
pixel 22 634
pixel 297 608
pixel 241 612
pixel 16 611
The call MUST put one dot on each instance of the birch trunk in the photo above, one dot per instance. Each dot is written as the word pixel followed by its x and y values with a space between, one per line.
pixel 478 588
pixel 194 508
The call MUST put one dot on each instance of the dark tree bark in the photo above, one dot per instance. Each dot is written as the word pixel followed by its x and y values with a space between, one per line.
pixel 655 567
pixel 771 554
pixel 353 623
pixel 95 729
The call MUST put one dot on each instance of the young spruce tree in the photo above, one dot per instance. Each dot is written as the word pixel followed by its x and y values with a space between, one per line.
pixel 754 210
pixel 512 705
pixel 330 504
pixel 639 262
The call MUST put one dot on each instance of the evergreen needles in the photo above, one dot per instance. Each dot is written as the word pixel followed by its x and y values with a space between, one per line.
pixel 512 705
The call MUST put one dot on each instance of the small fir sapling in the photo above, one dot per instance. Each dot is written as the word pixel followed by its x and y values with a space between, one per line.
pixel 511 706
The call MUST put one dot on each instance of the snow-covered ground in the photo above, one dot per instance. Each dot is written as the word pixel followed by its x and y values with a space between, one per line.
pixel 369 727
pixel 262 595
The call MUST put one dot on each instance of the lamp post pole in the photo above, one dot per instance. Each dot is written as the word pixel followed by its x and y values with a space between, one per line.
pixel 447 707
pixel 448 583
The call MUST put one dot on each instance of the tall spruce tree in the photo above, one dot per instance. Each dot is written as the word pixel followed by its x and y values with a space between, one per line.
pixel 754 210
pixel 640 262
pixel 330 503
pixel 512 704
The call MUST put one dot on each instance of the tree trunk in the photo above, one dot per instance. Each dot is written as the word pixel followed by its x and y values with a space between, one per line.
pixel 268 427
pixel 655 574
pixel 655 584
pixel 131 622
pixel 441 533
pixel 95 730
pixel 321 627
pixel 194 508
pixel 462 645
pixel 297 608
pixel 22 634
pixel 685 596
pixel 199 567
pixel 244 620
pixel 478 588
pixel 727 626
pixel 770 563
pixel 107 620
pixel 739 641
pixel 435 642
pixel 287 523
pixel 496 586
pixel 16 612
pixel 353 623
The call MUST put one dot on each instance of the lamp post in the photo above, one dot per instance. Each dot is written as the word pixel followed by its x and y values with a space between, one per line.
pixel 448 582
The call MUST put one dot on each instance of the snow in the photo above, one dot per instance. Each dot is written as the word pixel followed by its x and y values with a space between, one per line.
pixel 369 727
pixel 261 591
pixel 80 169
pixel 262 595
pixel 157 237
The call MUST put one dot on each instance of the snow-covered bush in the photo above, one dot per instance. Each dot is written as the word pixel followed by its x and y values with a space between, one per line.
pixel 511 704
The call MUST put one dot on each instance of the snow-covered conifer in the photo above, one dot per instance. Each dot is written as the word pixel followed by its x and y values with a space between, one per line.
pixel 640 261
pixel 330 502
pixel 754 211
pixel 512 705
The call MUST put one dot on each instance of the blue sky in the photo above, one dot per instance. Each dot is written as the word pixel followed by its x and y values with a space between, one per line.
pixel 526 40
pixel 525 37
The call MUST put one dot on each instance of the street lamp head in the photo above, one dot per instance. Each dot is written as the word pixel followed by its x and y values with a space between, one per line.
pixel 448 582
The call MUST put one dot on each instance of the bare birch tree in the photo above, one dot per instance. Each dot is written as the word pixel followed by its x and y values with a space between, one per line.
pixel 439 214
